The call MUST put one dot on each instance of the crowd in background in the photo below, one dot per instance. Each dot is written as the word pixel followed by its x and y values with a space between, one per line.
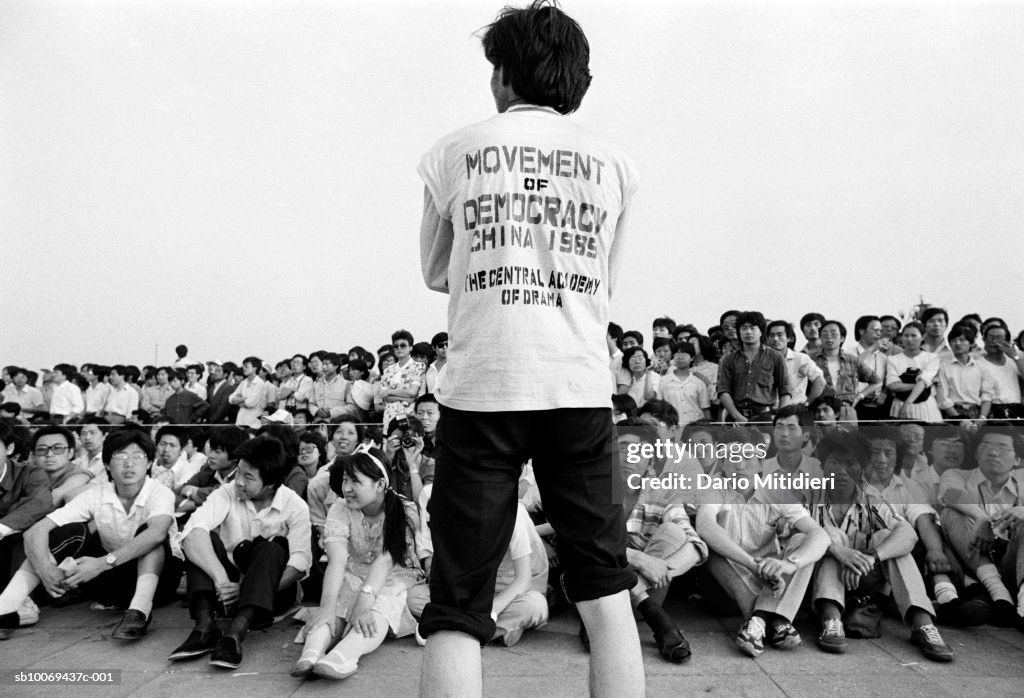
pixel 237 485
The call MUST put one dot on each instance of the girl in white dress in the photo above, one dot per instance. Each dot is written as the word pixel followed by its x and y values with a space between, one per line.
pixel 923 367
pixel 369 535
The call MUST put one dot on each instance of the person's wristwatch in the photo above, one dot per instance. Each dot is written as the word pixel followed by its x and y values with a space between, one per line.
pixel 111 560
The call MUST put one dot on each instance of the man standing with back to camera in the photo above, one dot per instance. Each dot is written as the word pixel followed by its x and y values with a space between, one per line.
pixel 523 223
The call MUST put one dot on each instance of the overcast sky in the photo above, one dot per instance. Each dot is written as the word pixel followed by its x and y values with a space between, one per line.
pixel 240 176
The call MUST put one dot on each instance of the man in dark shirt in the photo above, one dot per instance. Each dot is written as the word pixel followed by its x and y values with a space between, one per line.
pixel 24 499
pixel 751 379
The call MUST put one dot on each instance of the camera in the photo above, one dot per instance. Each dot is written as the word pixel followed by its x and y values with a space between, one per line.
pixel 406 434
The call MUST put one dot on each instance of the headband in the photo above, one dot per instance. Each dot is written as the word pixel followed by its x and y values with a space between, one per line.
pixel 383 470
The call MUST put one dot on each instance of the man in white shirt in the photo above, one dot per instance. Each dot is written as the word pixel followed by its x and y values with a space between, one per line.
pixel 193 380
pixel 108 542
pixel 250 395
pixel 297 390
pixel 98 391
pixel 19 391
pixel 871 350
pixel 246 547
pixel 66 402
pixel 805 378
pixel 331 392
pixel 122 401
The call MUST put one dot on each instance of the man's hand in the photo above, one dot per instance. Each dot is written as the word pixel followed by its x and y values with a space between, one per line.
pixel 654 570
pixel 936 562
pixel 853 560
pixel 983 537
pixel 850 578
pixel 228 591
pixel 772 569
pixel 88 569
pixel 52 578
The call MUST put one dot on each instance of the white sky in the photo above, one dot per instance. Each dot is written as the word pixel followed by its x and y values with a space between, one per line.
pixel 240 176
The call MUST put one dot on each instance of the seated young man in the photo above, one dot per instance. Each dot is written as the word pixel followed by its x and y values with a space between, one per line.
pixel 682 388
pixel 108 543
pixel 870 546
pixel 791 428
pixel 24 499
pixel 766 576
pixel 91 434
pixel 53 449
pixel 660 542
pixel 910 501
pixel 982 517
pixel 172 468
pixel 219 469
pixel 246 549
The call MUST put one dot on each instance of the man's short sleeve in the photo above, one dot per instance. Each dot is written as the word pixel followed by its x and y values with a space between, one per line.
pixel 519 546
pixel 431 171
pixel 212 513
pixel 79 510
pixel 161 501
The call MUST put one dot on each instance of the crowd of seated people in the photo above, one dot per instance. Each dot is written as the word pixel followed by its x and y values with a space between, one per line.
pixel 244 488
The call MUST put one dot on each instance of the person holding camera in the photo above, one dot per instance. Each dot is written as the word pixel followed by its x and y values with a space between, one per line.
pixel 404 447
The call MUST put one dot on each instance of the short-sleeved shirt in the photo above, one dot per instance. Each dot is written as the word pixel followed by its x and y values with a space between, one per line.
pixel 866 516
pixel 537 208
pixel 976 489
pixel 102 507
pixel 688 395
pixel 763 380
pixel 754 524
pixel 906 496
pixel 808 464
pixel 236 520
pixel 802 372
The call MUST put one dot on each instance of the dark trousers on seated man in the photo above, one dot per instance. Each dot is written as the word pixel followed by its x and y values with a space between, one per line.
pixel 12 554
pixel 257 566
pixel 115 587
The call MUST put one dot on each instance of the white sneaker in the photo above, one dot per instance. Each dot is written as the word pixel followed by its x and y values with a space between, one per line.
pixel 333 667
pixel 28 613
pixel 420 640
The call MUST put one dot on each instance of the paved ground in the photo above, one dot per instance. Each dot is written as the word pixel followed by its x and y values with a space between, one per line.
pixel 989 662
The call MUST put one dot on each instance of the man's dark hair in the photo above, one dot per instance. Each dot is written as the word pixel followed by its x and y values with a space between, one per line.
pixel 68 370
pixel 198 368
pixel 331 358
pixel 830 400
pixel 861 326
pixel 69 438
pixel 727 313
pixel 811 317
pixel 788 326
pixel 799 411
pixel 843 442
pixel 267 455
pixel 886 318
pixel 1005 429
pixel 253 361
pixel 965 330
pixel 624 404
pixel 684 347
pixel 840 326
pixel 438 339
pixel 660 342
pixel 359 365
pixel 969 317
pixel 666 322
pixel 180 433
pixel 402 334
pixel 887 432
pixel 751 317
pixel 122 438
pixel 931 312
pixel 543 54
pixel 228 439
pixel 426 397
pixel 661 410
pixel 635 334
pixel 181 350
pixel 943 431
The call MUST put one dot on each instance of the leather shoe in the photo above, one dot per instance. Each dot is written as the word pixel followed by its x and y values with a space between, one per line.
pixel 196 644
pixel 132 626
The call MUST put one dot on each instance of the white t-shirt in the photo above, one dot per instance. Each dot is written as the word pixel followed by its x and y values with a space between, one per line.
pixel 532 212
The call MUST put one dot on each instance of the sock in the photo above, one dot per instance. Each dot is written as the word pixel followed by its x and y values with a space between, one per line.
pixel 18 589
pixel 240 624
pixel 145 589
pixel 655 617
pixel 944 589
pixel 10 621
pixel 988 575
pixel 353 646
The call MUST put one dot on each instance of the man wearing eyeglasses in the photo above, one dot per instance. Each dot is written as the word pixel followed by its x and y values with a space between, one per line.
pixel 983 519
pixel 108 543
pixel 24 499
